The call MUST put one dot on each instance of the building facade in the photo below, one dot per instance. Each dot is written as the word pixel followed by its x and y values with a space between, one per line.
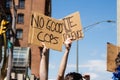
pixel 23 10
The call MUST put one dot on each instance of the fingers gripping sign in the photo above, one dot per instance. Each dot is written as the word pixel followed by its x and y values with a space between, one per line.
pixel 44 47
pixel 68 43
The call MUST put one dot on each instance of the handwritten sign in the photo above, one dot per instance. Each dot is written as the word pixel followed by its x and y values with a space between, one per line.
pixel 46 29
pixel 112 52
pixel 72 27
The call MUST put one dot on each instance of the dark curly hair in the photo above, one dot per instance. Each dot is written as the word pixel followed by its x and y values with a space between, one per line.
pixel 73 76
pixel 117 60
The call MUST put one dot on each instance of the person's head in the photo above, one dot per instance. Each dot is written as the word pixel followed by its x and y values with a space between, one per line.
pixel 118 54
pixel 117 60
pixel 73 76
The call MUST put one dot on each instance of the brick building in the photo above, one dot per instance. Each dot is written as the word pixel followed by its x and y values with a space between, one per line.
pixel 24 9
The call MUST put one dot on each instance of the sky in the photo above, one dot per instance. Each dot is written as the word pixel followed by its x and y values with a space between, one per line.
pixel 92 49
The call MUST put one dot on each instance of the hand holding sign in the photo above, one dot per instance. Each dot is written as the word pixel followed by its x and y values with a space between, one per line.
pixel 44 48
pixel 68 43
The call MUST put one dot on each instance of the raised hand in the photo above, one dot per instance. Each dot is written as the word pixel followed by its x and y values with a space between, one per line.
pixel 68 43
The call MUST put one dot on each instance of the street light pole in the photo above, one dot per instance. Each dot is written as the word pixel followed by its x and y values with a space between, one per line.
pixel 92 25
pixel 84 30
pixel 77 57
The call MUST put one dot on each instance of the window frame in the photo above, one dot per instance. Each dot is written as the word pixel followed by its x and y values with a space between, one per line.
pixel 8 4
pixel 20 18
pixel 21 4
pixel 19 33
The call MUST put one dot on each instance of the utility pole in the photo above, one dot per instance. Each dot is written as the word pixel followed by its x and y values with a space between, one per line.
pixel 12 40
pixel 118 23
pixel 0 37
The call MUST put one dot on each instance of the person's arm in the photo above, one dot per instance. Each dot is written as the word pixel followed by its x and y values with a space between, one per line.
pixel 43 72
pixel 63 63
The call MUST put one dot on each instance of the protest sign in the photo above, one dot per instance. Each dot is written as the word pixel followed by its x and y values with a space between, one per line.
pixel 46 29
pixel 72 27
pixel 112 52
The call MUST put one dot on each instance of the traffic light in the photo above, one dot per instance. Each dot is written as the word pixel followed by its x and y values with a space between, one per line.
pixel 3 26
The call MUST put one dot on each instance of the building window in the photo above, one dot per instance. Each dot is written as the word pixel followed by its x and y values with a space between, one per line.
pixel 19 33
pixel 20 56
pixel 8 34
pixel 20 19
pixel 21 4
pixel 8 3
pixel 9 17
